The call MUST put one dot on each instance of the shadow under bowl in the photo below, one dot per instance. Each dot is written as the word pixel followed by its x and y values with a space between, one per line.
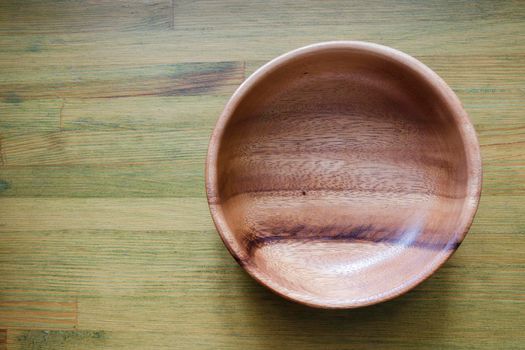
pixel 343 174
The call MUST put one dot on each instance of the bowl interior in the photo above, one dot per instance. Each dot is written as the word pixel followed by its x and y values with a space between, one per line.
pixel 341 177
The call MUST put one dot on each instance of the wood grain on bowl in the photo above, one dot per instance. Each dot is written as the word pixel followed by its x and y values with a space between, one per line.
pixel 343 174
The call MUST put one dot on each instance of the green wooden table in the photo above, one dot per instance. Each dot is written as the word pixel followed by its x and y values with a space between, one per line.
pixel 106 108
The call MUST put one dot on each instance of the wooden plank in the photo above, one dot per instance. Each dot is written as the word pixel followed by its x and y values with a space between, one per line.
pixel 203 14
pixel 137 214
pixel 141 48
pixel 42 17
pixel 329 334
pixel 69 81
pixel 496 110
pixel 93 262
pixel 172 178
pixel 146 113
pixel 18 116
pixel 102 148
pixel 143 113
pixel 272 322
pixel 56 339
pixel 3 339
pixel 36 310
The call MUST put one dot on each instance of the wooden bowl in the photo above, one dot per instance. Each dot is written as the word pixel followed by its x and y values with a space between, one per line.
pixel 343 174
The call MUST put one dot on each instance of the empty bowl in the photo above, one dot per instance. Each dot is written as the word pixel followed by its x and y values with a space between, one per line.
pixel 343 174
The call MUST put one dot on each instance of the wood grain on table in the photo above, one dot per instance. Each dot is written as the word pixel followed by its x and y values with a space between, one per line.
pixel 106 108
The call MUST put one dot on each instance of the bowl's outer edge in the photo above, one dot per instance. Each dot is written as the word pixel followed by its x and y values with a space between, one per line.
pixel 467 132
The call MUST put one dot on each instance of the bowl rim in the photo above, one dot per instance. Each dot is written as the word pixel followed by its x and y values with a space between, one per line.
pixel 461 119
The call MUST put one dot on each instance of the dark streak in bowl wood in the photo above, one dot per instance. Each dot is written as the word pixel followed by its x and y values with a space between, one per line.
pixel 343 174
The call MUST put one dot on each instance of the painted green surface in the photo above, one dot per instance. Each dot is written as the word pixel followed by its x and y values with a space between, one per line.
pixel 106 109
